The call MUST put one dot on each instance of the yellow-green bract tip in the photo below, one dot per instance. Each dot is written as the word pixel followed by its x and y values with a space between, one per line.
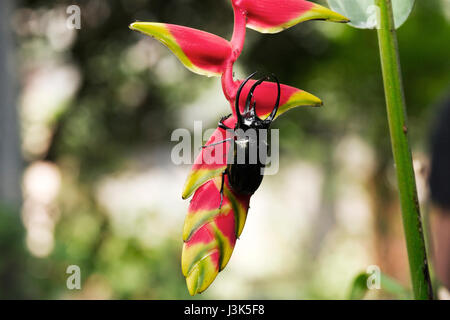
pixel 135 26
pixel 322 13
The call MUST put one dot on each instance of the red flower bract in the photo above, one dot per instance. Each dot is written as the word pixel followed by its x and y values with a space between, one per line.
pixel 271 16
pixel 201 52
pixel 210 233
pixel 265 97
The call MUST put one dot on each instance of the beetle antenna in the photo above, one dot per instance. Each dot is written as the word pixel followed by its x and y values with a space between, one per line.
pixel 272 115
pixel 238 94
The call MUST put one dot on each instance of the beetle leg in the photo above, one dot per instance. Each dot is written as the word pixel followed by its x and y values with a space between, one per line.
pixel 222 125
pixel 216 143
pixel 221 188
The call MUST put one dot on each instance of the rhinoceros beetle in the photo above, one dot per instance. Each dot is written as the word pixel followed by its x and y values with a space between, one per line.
pixel 245 172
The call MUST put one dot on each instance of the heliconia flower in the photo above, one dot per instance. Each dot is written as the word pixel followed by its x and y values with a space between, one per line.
pixel 201 52
pixel 215 222
pixel 210 231
pixel 209 165
pixel 272 16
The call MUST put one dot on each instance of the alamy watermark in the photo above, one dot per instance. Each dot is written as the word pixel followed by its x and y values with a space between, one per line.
pixel 251 146
pixel 374 277
pixel 74 17
pixel 74 280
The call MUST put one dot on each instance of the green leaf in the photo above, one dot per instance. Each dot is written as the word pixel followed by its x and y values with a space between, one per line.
pixel 394 288
pixel 363 13
pixel 359 287
pixel 389 285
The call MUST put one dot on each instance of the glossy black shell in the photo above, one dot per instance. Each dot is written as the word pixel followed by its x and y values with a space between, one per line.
pixel 245 178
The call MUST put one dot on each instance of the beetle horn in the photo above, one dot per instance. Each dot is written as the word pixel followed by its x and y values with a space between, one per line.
pixel 250 94
pixel 272 115
pixel 238 94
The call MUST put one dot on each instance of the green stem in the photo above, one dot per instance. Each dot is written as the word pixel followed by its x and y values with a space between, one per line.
pixel 396 111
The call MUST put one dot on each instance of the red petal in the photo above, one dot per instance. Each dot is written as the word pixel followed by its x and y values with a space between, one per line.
pixel 199 51
pixel 210 233
pixel 265 96
pixel 208 163
pixel 270 16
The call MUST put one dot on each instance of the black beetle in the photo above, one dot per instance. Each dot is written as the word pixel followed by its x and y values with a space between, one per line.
pixel 245 172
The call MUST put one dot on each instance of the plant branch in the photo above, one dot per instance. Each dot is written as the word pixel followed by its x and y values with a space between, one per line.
pixel 396 112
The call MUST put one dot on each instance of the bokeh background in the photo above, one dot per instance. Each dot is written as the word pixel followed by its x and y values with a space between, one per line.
pixel 85 173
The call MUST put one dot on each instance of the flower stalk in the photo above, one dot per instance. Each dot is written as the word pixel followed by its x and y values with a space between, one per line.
pixel 397 118
pixel 229 85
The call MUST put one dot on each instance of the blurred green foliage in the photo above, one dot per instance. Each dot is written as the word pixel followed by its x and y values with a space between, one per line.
pixel 391 287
